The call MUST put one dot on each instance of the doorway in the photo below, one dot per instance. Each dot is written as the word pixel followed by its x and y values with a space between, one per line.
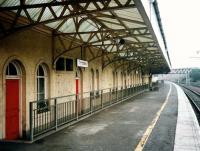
pixel 79 88
pixel 12 97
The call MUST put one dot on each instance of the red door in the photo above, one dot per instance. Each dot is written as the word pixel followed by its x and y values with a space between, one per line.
pixel 12 109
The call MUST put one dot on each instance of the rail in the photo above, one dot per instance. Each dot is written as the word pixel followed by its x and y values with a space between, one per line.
pixel 194 98
pixel 51 114
pixel 189 89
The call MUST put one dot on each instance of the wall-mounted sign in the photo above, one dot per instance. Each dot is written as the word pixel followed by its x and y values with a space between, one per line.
pixel 82 63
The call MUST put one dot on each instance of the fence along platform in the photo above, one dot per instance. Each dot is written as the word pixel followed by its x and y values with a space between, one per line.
pixel 51 114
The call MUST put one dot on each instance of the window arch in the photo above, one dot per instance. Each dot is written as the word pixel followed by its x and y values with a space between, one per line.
pixel 14 97
pixel 42 78
pixel 122 79
pixel 113 80
pixel 128 80
pixel 92 76
pixel 116 78
pixel 97 78
pixel 125 80
pixel 13 69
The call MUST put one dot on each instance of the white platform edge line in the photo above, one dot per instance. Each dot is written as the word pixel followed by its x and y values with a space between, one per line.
pixel 186 120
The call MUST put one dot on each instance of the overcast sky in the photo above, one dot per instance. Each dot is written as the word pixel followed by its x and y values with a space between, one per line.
pixel 181 23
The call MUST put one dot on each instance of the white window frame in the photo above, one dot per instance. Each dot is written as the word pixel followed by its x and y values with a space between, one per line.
pixel 45 77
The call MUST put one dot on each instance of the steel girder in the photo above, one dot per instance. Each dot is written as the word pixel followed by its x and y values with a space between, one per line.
pixel 101 13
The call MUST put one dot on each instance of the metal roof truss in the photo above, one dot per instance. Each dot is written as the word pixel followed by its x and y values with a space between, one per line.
pixel 115 27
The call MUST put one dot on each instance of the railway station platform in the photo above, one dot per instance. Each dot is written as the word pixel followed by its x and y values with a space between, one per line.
pixel 156 120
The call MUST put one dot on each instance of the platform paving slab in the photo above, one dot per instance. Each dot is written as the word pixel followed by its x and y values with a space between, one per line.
pixel 187 128
pixel 163 135
pixel 118 128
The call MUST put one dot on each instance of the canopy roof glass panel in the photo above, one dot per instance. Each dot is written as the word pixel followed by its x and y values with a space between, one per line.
pixel 117 23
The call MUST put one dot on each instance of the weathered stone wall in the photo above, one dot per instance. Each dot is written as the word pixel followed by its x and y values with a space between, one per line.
pixel 31 48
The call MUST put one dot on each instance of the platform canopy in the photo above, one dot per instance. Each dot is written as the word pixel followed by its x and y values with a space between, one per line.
pixel 116 27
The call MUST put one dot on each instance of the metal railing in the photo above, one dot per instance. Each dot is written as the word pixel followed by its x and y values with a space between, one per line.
pixel 49 115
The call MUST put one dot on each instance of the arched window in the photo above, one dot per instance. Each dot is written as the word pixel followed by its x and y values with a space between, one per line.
pixel 136 77
pixel 113 80
pixel 140 77
pixel 15 104
pixel 92 76
pixel 116 80
pixel 131 79
pixel 41 83
pixel 128 80
pixel 11 69
pixel 125 80
pixel 97 78
pixel 122 79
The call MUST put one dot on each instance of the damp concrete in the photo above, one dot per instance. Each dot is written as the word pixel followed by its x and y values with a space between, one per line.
pixel 118 128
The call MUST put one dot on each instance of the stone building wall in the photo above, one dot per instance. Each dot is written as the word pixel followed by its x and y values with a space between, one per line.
pixel 31 48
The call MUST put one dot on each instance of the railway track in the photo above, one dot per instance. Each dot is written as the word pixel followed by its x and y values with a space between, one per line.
pixel 194 98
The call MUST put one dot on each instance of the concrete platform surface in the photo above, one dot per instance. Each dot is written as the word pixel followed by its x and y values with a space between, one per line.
pixel 187 128
pixel 163 135
pixel 119 128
